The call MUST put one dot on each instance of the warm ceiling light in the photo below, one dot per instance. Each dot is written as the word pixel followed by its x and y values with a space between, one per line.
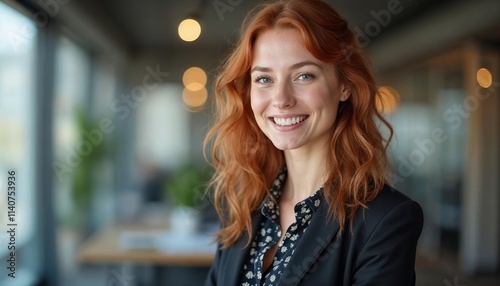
pixel 194 100
pixel 189 30
pixel 388 99
pixel 194 78
pixel 484 77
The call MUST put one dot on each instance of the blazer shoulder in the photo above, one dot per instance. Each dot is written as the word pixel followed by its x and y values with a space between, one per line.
pixel 388 200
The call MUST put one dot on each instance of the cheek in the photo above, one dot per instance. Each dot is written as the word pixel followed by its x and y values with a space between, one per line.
pixel 325 101
pixel 321 98
pixel 257 103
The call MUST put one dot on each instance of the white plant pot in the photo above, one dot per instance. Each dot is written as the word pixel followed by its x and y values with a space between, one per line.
pixel 184 220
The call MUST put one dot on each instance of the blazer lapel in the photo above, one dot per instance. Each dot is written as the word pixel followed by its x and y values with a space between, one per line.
pixel 317 237
pixel 238 254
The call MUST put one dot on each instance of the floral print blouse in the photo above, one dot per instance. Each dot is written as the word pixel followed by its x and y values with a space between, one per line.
pixel 270 232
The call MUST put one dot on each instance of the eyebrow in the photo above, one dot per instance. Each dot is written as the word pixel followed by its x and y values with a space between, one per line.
pixel 292 67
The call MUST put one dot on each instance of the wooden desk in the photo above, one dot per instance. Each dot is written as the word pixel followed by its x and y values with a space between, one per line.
pixel 105 248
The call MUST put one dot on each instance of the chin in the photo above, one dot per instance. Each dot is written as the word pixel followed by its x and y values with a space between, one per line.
pixel 285 146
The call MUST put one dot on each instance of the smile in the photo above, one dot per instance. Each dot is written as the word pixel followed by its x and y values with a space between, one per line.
pixel 289 121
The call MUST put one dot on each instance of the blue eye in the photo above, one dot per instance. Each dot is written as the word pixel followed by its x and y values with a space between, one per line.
pixel 263 79
pixel 305 76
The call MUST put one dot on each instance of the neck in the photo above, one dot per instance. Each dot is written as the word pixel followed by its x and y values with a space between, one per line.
pixel 306 174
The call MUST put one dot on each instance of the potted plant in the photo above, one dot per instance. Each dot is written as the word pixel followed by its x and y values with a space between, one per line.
pixel 83 181
pixel 185 189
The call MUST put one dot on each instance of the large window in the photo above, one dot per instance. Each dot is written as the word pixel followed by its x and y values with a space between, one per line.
pixel 17 51
pixel 71 90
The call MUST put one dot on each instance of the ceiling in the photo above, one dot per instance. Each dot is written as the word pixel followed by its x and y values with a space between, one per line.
pixel 152 24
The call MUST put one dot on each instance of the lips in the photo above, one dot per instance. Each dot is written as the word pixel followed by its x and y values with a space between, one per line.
pixel 288 121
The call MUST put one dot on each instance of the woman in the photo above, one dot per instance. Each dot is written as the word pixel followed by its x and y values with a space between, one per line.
pixel 300 181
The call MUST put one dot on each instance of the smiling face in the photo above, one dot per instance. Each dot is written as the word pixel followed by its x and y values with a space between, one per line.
pixel 294 96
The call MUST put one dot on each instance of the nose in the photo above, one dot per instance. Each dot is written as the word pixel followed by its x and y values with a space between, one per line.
pixel 283 96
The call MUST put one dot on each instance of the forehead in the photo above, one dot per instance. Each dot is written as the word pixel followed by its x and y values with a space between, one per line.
pixel 279 41
pixel 281 47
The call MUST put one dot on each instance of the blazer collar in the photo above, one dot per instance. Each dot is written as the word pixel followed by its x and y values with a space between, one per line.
pixel 311 246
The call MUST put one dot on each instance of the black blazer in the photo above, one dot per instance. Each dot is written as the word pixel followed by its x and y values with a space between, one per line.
pixel 380 250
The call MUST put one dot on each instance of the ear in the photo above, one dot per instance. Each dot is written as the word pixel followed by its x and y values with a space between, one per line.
pixel 345 93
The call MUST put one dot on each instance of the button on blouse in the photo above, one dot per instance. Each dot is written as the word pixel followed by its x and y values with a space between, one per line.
pixel 270 232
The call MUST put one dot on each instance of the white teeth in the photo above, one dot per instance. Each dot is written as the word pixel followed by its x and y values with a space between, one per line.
pixel 288 121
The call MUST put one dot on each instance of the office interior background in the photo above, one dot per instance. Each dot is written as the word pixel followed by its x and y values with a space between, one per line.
pixel 103 111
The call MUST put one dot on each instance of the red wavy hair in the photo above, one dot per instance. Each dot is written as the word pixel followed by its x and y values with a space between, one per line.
pixel 245 160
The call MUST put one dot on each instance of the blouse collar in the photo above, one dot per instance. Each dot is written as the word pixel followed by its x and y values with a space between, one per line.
pixel 303 209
